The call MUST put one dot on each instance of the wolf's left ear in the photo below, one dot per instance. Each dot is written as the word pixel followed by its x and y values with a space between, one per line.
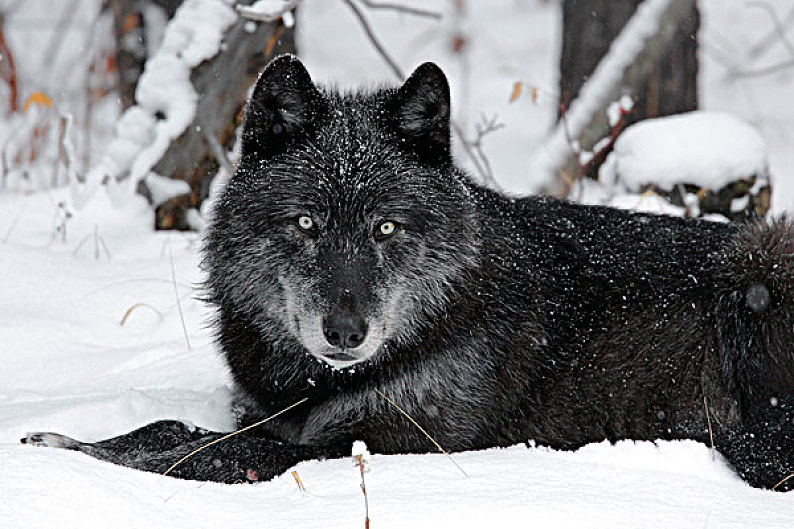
pixel 422 112
pixel 284 103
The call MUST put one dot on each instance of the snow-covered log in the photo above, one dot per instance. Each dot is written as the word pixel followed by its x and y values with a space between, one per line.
pixel 706 163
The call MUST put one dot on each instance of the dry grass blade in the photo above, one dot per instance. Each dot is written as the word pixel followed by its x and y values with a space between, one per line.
pixel 232 434
pixel 14 222
pixel 779 483
pixel 440 448
pixel 135 306
pixel 298 480
pixel 176 293
pixel 711 432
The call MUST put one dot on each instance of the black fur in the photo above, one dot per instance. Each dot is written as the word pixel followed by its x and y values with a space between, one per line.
pixel 491 320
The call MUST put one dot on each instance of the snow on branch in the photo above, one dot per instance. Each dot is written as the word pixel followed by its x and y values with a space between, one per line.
pixel 165 101
pixel 648 32
pixel 270 11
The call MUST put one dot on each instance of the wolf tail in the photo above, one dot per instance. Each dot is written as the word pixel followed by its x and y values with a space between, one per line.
pixel 756 313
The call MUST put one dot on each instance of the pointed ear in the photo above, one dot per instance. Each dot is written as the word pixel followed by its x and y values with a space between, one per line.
pixel 422 111
pixel 284 104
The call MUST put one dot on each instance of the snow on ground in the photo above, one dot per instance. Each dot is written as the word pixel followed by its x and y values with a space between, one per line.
pixel 69 366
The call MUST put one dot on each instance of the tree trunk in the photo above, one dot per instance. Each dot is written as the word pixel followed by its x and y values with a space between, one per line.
pixel 221 83
pixel 590 26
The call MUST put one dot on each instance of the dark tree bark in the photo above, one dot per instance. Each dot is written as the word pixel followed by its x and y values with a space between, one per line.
pixel 222 84
pixel 590 26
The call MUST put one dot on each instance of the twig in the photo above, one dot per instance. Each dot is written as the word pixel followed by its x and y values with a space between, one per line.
pixel 360 462
pixel 55 44
pixel 98 240
pixel 373 39
pixel 487 126
pixel 766 70
pixel 392 64
pixel 422 430
pixel 232 434
pixel 401 8
pixel 217 150
pixel 778 31
pixel 176 293
pixel 711 432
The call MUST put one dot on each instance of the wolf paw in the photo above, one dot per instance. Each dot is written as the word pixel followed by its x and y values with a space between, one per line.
pixel 52 440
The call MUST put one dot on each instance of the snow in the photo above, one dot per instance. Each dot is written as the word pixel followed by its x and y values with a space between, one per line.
pixel 708 149
pixel 69 366
pixel 270 10
pixel 165 100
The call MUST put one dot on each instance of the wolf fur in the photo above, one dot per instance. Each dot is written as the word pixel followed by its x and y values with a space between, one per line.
pixel 349 256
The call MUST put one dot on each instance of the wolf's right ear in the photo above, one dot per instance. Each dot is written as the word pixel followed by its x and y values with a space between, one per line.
pixel 285 102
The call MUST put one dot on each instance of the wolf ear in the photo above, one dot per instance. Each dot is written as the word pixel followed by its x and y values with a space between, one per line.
pixel 422 112
pixel 285 102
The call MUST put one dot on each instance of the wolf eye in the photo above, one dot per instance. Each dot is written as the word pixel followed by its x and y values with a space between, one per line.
pixel 385 230
pixel 305 222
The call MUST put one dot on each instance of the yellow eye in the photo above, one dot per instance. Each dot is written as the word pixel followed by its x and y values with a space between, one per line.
pixel 387 228
pixel 305 222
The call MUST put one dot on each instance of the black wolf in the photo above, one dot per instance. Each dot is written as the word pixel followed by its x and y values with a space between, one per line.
pixel 349 257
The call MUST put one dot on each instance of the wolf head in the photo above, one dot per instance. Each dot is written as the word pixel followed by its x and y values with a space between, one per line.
pixel 346 223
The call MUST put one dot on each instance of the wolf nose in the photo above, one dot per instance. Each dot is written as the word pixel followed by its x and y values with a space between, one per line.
pixel 345 330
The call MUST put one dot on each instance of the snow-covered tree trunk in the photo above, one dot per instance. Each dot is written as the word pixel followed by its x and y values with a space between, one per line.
pixel 646 49
pixel 221 84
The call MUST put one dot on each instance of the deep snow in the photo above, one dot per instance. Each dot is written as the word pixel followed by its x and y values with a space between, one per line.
pixel 69 366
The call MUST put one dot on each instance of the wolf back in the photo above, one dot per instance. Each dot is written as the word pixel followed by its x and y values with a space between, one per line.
pixel 349 258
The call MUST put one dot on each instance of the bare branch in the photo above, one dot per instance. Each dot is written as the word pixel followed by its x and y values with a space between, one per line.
pixel 778 32
pixel 766 70
pixel 218 152
pixel 401 8
pixel 485 127
pixel 373 39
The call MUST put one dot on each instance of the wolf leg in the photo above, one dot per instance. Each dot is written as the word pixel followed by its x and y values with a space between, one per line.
pixel 160 445
pixel 763 452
